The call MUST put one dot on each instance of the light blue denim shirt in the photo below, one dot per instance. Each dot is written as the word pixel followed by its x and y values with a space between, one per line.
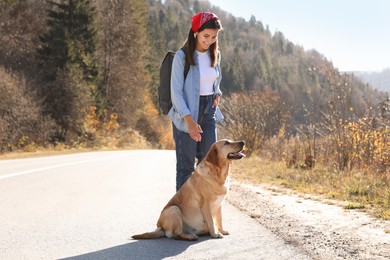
pixel 185 95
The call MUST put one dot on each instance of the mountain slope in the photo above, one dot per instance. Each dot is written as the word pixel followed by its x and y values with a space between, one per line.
pixel 378 80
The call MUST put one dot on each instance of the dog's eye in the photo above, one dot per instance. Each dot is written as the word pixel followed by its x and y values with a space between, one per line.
pixel 227 142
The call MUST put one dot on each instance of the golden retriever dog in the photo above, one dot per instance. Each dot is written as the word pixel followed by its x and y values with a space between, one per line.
pixel 195 210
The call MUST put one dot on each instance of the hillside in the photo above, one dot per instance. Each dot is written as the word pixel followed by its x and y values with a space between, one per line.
pixel 85 73
pixel 254 59
pixel 378 80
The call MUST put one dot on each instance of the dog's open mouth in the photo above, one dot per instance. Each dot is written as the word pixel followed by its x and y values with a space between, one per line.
pixel 236 156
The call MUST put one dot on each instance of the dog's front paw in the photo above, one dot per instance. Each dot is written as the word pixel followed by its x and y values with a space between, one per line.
pixel 193 238
pixel 217 235
pixel 224 232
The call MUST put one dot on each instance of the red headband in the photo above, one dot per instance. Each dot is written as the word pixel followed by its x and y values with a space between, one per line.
pixel 199 19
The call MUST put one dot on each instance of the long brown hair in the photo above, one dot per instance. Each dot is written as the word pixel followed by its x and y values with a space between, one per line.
pixel 190 44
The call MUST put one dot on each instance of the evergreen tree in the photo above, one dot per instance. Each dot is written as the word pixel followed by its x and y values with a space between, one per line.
pixel 67 62
pixel 71 37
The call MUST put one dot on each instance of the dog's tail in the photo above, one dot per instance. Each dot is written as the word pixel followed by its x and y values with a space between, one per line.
pixel 148 235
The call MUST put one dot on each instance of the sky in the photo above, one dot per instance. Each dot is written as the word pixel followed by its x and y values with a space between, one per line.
pixel 353 34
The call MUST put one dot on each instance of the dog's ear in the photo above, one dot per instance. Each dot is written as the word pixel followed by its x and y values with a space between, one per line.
pixel 212 156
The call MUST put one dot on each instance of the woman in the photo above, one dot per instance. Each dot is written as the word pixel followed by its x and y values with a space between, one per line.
pixel 195 97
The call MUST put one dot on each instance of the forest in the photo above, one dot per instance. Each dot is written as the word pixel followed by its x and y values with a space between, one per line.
pixel 84 73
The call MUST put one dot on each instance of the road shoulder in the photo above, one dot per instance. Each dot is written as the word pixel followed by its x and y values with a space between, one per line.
pixel 323 230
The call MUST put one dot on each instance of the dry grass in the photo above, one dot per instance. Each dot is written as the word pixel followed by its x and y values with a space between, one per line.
pixel 359 190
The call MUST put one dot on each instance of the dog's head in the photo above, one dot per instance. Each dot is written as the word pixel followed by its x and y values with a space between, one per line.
pixel 223 151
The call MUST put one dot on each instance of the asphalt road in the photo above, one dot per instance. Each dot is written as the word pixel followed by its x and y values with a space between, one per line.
pixel 87 206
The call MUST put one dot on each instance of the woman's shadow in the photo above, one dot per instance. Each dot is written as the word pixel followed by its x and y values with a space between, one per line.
pixel 141 249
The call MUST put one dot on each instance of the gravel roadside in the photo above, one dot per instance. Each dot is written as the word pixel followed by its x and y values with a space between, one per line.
pixel 319 226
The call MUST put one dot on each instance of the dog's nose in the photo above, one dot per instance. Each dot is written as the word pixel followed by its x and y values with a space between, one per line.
pixel 242 143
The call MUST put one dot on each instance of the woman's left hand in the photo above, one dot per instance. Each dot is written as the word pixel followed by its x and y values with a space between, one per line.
pixel 216 101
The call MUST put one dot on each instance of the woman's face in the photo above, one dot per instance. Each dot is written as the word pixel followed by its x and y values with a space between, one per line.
pixel 205 38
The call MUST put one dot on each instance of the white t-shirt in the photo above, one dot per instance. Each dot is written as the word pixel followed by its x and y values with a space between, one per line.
pixel 208 74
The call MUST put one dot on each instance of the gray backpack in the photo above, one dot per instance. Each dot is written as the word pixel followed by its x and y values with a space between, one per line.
pixel 164 89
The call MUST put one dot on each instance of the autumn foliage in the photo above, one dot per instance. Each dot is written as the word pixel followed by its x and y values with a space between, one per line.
pixel 85 73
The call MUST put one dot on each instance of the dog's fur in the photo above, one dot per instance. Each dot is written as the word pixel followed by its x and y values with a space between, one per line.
pixel 195 210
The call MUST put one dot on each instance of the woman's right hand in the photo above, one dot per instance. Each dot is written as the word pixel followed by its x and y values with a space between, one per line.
pixel 194 129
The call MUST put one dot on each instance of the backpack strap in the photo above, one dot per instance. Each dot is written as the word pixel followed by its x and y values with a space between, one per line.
pixel 186 64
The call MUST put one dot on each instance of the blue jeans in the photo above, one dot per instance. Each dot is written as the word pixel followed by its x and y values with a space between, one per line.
pixel 188 149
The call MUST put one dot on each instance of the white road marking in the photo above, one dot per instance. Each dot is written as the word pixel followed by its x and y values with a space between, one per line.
pixel 54 166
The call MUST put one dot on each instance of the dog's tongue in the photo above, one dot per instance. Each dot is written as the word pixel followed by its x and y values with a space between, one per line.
pixel 237 155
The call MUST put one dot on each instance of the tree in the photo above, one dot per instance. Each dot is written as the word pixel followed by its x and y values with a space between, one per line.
pixel 234 76
pixel 68 65
pixel 71 38
pixel 20 24
pixel 21 120
pixel 123 50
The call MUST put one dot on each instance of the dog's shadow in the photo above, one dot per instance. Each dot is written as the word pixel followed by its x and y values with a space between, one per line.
pixel 141 249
